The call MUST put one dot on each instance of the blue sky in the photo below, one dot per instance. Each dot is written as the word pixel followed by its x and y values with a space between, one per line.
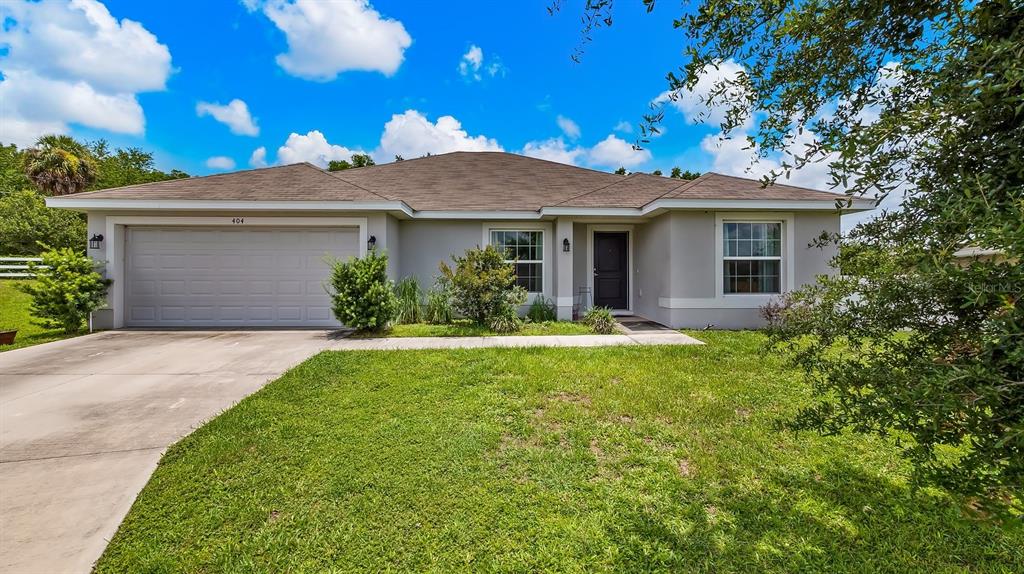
pixel 318 80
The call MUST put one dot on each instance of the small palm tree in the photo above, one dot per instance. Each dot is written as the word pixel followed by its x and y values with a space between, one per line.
pixel 59 165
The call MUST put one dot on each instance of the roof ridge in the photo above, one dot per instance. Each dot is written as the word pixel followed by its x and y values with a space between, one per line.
pixel 332 175
pixel 774 183
pixel 595 190
pixel 687 183
pixel 581 168
pixel 506 153
pixel 428 156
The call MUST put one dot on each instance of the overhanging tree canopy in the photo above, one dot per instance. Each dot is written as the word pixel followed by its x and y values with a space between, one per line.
pixel 918 97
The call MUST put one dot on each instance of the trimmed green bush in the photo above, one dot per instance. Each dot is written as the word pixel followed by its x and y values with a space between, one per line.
pixel 439 303
pixel 600 320
pixel 67 288
pixel 483 284
pixel 363 297
pixel 410 301
pixel 542 310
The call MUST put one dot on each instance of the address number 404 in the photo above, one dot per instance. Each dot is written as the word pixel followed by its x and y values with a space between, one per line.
pixel 237 220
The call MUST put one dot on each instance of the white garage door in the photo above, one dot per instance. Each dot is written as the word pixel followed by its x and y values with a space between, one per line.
pixel 231 277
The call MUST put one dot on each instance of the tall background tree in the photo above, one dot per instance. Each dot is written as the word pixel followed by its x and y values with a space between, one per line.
pixel 922 98
pixel 678 173
pixel 55 166
pixel 357 160
pixel 59 165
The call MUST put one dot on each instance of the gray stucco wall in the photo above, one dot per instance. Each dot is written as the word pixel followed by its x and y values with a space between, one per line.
pixel 580 265
pixel 424 244
pixel 693 264
pixel 652 252
pixel 393 237
pixel 814 261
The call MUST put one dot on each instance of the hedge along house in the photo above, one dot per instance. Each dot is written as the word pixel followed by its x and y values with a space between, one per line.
pixel 250 248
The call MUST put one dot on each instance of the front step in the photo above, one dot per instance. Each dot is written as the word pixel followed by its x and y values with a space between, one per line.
pixel 635 325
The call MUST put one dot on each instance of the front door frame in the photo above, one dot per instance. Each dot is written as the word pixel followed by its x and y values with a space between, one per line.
pixel 600 227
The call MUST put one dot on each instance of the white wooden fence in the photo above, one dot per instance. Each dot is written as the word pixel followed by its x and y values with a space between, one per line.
pixel 15 267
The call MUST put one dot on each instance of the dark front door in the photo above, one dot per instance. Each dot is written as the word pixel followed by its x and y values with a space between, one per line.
pixel 611 270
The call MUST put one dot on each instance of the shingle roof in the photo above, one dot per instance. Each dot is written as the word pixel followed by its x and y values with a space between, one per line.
pixel 478 181
pixel 634 190
pixel 717 186
pixel 459 181
pixel 295 182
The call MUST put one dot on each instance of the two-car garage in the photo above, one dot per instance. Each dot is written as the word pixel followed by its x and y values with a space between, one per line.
pixel 179 276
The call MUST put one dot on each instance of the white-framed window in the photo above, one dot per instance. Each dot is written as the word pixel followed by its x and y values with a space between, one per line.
pixel 525 249
pixel 752 257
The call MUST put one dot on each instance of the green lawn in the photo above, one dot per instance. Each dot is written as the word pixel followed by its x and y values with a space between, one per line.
pixel 464 328
pixel 14 315
pixel 586 459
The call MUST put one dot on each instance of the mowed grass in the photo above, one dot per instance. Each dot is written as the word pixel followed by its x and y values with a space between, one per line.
pixel 464 328
pixel 589 459
pixel 14 314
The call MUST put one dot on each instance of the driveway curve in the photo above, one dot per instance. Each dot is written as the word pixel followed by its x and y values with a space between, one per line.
pixel 84 421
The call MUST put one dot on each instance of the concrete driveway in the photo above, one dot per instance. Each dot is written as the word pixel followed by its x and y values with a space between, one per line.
pixel 83 423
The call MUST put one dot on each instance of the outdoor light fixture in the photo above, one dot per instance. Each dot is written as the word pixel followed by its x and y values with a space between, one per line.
pixel 565 245
pixel 95 241
pixel 371 242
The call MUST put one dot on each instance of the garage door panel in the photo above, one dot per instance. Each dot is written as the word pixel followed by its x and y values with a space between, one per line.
pixel 289 288
pixel 171 262
pixel 143 287
pixel 319 313
pixel 229 261
pixel 169 313
pixel 202 261
pixel 232 277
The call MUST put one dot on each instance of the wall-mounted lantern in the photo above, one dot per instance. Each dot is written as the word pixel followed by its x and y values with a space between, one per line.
pixel 565 245
pixel 371 242
pixel 95 241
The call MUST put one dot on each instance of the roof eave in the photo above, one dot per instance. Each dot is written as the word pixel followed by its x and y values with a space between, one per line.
pixel 399 207
pixel 661 205
pixel 111 204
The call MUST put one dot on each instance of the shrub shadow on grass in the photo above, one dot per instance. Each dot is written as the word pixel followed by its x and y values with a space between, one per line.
pixel 839 519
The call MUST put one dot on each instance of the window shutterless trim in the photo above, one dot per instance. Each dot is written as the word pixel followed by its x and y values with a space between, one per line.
pixel 750 278
pixel 490 230
pixel 786 258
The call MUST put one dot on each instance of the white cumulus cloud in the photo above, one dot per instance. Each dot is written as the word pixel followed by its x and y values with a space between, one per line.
pixel 472 65
pixel 554 149
pixel 234 114
pixel 570 128
pixel 220 162
pixel 471 62
pixel 73 62
pixel 733 156
pixel 312 147
pixel 411 134
pixel 258 157
pixel 624 127
pixel 695 104
pixel 328 38
pixel 615 152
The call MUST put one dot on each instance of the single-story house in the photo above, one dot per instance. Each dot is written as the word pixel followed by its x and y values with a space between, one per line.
pixel 249 248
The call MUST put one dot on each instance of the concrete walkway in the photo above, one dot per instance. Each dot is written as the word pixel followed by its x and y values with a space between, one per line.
pixel 410 343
